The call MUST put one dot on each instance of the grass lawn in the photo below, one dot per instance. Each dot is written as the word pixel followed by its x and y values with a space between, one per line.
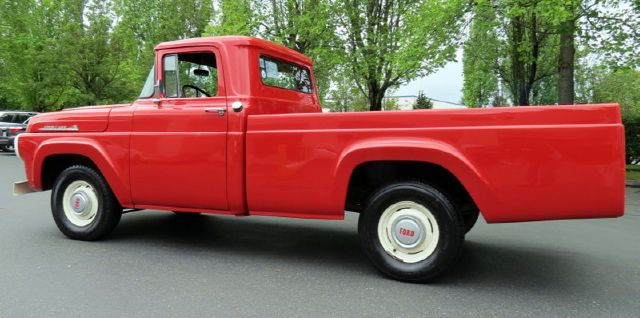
pixel 633 172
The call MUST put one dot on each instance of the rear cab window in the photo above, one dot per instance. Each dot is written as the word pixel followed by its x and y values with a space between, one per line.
pixel 281 74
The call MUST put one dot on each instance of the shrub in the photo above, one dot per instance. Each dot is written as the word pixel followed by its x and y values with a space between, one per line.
pixel 422 102
pixel 632 138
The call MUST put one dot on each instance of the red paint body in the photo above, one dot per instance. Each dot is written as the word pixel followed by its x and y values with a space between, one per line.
pixel 281 156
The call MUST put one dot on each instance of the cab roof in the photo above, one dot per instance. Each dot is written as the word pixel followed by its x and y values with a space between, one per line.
pixel 235 40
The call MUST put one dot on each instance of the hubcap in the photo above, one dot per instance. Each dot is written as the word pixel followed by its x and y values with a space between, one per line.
pixel 80 203
pixel 408 231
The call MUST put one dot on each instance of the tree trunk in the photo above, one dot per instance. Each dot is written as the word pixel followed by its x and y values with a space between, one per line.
pixel 375 101
pixel 532 72
pixel 375 97
pixel 566 64
pixel 518 73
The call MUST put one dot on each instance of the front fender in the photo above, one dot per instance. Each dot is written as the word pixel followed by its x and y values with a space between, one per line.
pixel 413 149
pixel 88 148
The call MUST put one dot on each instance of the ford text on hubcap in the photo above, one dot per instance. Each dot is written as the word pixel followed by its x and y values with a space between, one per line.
pixel 80 203
pixel 408 231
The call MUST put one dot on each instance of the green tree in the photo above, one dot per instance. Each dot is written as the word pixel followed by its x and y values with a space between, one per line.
pixel 36 66
pixel 98 74
pixel 143 24
pixel 345 96
pixel 307 26
pixel 607 27
pixel 391 42
pixel 509 43
pixel 235 17
pixel 535 45
pixel 390 103
pixel 480 59
pixel 422 102
pixel 621 86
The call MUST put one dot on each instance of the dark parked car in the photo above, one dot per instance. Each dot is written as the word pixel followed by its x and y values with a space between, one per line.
pixel 12 123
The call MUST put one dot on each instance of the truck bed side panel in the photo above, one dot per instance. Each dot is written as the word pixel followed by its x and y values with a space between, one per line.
pixel 519 164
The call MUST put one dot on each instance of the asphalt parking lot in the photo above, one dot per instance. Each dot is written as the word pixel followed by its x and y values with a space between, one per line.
pixel 158 265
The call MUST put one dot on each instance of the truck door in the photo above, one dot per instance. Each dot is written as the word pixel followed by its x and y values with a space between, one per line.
pixel 178 142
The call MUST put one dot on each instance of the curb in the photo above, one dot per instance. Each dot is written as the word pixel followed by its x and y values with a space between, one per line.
pixel 633 183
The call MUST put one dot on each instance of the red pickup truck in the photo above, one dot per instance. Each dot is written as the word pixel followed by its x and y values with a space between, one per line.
pixel 233 125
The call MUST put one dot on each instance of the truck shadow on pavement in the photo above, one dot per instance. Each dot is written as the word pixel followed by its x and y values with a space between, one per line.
pixel 334 246
pixel 522 268
pixel 255 238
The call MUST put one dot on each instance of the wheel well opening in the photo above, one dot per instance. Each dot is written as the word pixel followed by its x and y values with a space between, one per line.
pixel 370 176
pixel 55 164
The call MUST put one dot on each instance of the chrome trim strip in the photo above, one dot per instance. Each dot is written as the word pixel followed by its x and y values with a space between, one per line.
pixel 59 128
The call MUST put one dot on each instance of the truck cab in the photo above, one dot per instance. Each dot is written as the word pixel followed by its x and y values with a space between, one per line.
pixel 190 119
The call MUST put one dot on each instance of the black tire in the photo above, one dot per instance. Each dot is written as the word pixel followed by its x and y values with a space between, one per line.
pixel 470 217
pixel 108 211
pixel 6 148
pixel 449 225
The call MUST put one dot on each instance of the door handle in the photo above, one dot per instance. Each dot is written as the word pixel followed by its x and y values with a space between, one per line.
pixel 219 110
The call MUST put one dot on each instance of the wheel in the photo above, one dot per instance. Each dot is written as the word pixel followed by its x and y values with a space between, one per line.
pixel 410 231
pixel 469 218
pixel 83 206
pixel 7 148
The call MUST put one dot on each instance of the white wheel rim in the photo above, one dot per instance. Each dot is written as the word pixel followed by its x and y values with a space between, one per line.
pixel 80 203
pixel 408 231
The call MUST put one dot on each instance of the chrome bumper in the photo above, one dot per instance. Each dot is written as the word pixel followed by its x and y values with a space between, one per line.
pixel 22 187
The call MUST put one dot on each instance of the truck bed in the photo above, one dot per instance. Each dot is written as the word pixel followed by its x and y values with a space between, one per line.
pixel 517 163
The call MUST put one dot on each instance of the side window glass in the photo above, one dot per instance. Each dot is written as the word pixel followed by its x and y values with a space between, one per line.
pixel 147 89
pixel 190 75
pixel 285 75
pixel 170 69
pixel 198 75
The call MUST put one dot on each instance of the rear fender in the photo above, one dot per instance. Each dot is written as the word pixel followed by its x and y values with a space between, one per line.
pixel 413 149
